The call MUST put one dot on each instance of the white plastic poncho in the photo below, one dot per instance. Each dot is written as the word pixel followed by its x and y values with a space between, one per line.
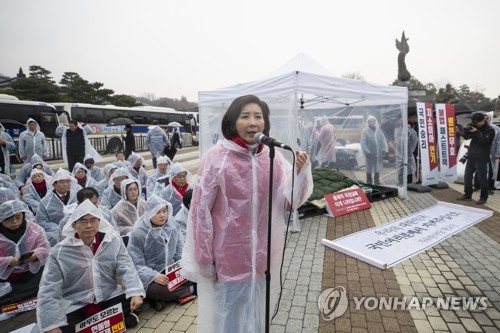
pixel 103 183
pixel 89 149
pixel 51 208
pixel 374 146
pixel 90 182
pixel 151 183
pixel 412 144
pixel 125 213
pixel 24 173
pixel 170 193
pixel 156 140
pixel 181 220
pixel 30 194
pixel 74 277
pixel 10 146
pixel 154 248
pixel 7 194
pixel 33 143
pixel 226 243
pixel 33 240
pixel 95 171
pixel 6 181
pixel 140 175
pixel 110 197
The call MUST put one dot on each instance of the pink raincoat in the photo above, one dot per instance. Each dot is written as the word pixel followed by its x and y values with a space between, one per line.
pixel 226 243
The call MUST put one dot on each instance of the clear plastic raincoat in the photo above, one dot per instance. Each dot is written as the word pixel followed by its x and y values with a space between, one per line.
pixel 226 243
pixel 151 183
pixel 109 197
pixel 32 143
pixel 74 276
pixel 7 194
pixel 140 175
pixel 374 146
pixel 170 193
pixel 156 140
pixel 103 183
pixel 89 149
pixel 6 149
pixel 90 182
pixel 95 171
pixel 6 181
pixel 181 220
pixel 33 240
pixel 24 173
pixel 51 208
pixel 30 195
pixel 124 212
pixel 412 144
pixel 154 248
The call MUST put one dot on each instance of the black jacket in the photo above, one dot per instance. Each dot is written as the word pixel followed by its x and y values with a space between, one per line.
pixel 129 142
pixel 75 142
pixel 480 143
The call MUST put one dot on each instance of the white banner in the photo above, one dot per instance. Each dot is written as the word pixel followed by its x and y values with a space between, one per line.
pixel 445 114
pixel 427 144
pixel 385 246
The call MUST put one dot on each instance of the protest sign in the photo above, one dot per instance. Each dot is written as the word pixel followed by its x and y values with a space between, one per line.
pixel 445 114
pixel 109 320
pixel 23 306
pixel 346 202
pixel 174 275
pixel 427 143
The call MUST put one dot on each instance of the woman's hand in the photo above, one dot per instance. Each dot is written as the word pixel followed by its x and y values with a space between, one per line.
pixel 32 258
pixel 161 279
pixel 301 160
pixel 14 261
pixel 135 302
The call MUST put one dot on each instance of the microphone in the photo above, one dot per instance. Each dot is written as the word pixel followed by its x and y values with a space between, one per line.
pixel 261 138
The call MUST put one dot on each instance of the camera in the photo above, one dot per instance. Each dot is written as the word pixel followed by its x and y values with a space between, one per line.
pixel 469 126
pixel 464 158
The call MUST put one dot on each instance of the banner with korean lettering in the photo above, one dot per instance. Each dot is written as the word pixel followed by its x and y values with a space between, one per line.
pixel 109 320
pixel 448 152
pixel 427 143
pixel 387 245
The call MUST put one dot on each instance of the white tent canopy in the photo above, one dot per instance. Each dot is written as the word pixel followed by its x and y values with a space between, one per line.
pixel 298 94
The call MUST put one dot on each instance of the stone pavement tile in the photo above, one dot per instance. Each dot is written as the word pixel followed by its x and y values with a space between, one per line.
pixel 175 315
pixel 192 329
pixel 183 323
pixel 471 325
pixel 163 327
pixel 438 323
pixel 311 321
pixel 423 326
pixel 449 316
pixel 482 319
pixel 192 310
pixel 145 330
pixel 457 328
pixel 277 329
pixel 294 325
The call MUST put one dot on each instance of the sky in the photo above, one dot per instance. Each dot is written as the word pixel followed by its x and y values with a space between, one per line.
pixel 171 49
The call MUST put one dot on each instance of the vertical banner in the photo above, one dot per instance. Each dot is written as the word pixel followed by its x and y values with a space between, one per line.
pixel 448 153
pixel 427 142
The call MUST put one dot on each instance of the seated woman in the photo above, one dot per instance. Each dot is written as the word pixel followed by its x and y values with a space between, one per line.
pixel 154 244
pixel 94 171
pixel 35 190
pixel 23 252
pixel 112 194
pixel 179 178
pixel 130 208
pixel 82 175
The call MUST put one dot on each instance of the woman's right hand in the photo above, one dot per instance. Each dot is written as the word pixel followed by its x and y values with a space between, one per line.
pixel 161 279
pixel 14 261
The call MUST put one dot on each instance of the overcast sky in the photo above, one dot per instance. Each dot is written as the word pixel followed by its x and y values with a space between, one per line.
pixel 177 48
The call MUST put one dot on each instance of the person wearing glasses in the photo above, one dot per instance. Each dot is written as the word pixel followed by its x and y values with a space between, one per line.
pixel 89 271
pixel 478 156
pixel 179 179
pixel 23 253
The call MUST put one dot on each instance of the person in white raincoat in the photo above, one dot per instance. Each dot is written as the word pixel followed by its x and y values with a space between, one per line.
pixel 82 176
pixel 8 182
pixel 79 145
pixel 179 183
pixel 7 146
pixel 226 244
pixel 181 217
pixel 163 164
pixel 103 184
pixel 156 141
pixel 34 162
pixel 412 143
pixel 19 234
pixel 112 194
pixel 91 194
pixel 130 208
pixel 138 172
pixel 32 141
pixel 7 194
pixel 51 208
pixel 95 171
pixel 37 189
pixel 374 147
pixel 89 271
pixel 154 244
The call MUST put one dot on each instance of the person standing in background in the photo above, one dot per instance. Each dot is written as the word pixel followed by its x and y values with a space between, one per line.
pixel 6 146
pixel 129 141
pixel 156 141
pixel 32 141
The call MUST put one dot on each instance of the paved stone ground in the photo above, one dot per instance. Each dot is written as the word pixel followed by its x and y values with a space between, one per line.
pixel 467 264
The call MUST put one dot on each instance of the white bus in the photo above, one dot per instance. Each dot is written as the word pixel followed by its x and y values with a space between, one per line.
pixel 98 116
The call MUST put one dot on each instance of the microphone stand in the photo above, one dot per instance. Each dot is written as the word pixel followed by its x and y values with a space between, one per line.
pixel 269 219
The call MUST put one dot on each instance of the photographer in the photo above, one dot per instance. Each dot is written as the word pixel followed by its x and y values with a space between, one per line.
pixel 478 155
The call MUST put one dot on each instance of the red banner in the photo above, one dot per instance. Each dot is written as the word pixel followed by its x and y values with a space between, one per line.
pixel 174 275
pixel 106 321
pixel 447 141
pixel 347 202
pixel 428 144
pixel 27 305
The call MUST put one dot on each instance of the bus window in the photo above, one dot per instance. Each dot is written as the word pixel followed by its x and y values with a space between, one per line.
pixel 94 116
pixel 48 124
pixel 78 114
pixel 113 114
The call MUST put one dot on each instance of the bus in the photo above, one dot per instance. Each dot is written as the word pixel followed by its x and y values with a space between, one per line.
pixel 14 114
pixel 98 116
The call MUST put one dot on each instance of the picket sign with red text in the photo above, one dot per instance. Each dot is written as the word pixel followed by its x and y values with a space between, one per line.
pixel 347 202
pixel 445 114
pixel 427 144
pixel 23 306
pixel 174 275
pixel 109 320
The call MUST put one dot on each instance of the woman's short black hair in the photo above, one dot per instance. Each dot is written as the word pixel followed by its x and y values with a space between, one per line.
pixel 228 126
